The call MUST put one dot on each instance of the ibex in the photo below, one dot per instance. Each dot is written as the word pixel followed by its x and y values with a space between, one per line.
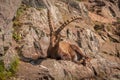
pixel 60 49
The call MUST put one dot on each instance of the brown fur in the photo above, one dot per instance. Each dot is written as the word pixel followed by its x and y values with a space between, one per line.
pixel 66 51
pixel 61 49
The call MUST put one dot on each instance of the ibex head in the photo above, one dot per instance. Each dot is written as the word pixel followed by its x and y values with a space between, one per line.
pixel 55 35
pixel 55 39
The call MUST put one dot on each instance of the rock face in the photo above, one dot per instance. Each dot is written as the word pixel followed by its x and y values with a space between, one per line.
pixel 8 10
pixel 108 8
pixel 98 39
pixel 106 11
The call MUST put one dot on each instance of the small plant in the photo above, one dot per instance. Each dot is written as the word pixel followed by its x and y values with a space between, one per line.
pixel 14 66
pixel 20 11
pixel 40 8
pixel 118 20
pixel 16 22
pixel 16 36
pixel 4 73
pixel 2 70
pixel 79 0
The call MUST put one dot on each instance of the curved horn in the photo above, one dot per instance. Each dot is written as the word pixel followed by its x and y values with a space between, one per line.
pixel 49 22
pixel 65 24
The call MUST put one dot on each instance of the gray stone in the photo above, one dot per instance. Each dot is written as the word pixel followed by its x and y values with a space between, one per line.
pixel 8 9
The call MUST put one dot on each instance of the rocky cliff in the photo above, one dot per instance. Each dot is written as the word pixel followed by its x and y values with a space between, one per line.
pixel 24 32
pixel 7 12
